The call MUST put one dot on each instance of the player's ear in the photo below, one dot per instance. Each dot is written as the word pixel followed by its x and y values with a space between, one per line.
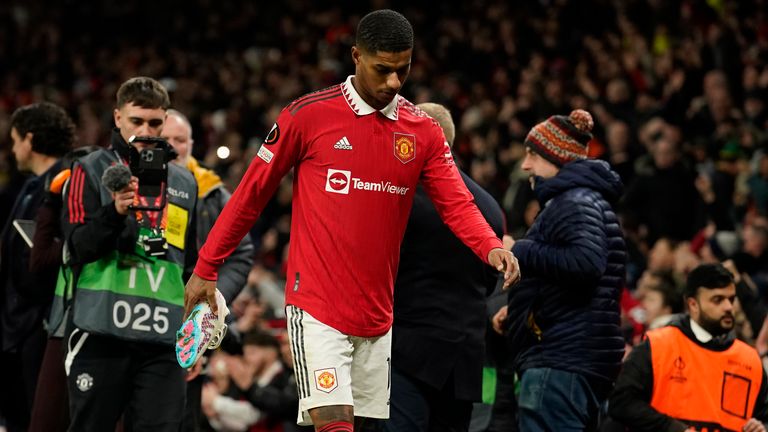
pixel 356 53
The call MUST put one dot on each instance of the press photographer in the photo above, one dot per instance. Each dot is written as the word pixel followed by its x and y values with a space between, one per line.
pixel 130 237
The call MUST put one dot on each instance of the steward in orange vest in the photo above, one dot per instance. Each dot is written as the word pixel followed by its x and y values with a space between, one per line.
pixel 694 373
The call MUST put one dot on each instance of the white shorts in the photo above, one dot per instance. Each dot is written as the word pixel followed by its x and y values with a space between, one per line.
pixel 337 369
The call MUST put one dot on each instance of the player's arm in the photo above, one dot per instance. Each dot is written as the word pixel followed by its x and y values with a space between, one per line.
pixel 234 272
pixel 455 204
pixel 277 155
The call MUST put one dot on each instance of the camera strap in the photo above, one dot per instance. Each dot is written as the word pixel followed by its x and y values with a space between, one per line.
pixel 152 216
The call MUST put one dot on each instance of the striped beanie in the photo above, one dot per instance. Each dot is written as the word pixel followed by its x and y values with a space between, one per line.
pixel 560 139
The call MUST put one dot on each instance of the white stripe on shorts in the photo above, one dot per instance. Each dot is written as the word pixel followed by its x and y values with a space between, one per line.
pixel 299 356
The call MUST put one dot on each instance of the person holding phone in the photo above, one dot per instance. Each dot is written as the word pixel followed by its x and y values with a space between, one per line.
pixel 129 255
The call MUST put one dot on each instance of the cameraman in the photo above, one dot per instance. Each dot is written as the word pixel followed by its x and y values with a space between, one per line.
pixel 128 268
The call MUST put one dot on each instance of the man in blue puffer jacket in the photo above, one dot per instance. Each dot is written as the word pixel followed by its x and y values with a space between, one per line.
pixel 563 317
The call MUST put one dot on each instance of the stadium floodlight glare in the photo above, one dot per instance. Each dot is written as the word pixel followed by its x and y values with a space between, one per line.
pixel 222 152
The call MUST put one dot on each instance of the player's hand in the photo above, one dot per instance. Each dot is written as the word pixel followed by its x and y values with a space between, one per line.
pixel 197 290
pixel 124 198
pixel 504 261
pixel 753 425
pixel 498 320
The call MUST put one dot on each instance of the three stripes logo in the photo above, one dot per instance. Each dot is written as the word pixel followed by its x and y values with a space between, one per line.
pixel 343 144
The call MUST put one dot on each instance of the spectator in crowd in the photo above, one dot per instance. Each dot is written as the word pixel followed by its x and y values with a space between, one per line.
pixel 212 196
pixel 261 378
pixel 661 301
pixel 758 182
pixel 41 133
pixel 50 411
pixel 694 374
pixel 126 265
pixel 440 294
pixel 225 413
pixel 664 200
pixel 563 319
pixel 342 342
pixel 753 256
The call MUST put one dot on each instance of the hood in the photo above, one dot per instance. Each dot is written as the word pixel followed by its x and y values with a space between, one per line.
pixel 590 173
pixel 119 145
pixel 207 180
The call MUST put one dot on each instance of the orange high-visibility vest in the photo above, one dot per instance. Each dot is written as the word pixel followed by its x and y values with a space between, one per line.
pixel 709 390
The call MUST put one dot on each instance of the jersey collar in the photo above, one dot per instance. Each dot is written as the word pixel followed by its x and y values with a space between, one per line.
pixel 360 107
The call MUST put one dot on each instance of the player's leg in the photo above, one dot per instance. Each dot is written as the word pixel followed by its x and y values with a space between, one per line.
pixel 322 359
pixel 371 376
pixel 334 418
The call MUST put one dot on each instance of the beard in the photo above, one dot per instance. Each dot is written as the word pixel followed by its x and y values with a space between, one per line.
pixel 715 326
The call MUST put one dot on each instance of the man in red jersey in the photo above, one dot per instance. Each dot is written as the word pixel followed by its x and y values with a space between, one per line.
pixel 358 149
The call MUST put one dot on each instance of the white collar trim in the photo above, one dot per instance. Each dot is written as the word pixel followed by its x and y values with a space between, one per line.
pixel 360 107
pixel 702 335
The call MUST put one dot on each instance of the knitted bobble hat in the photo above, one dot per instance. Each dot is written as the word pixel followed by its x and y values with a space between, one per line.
pixel 560 139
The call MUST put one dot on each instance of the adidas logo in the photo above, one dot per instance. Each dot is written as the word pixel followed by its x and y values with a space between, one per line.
pixel 343 144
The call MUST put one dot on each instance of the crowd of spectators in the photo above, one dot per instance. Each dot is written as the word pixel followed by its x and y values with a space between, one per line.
pixel 677 88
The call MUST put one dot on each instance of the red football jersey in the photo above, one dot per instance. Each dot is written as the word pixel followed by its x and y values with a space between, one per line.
pixel 356 171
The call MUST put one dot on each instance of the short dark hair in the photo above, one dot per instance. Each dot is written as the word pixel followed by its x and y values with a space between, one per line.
pixel 709 276
pixel 669 291
pixel 384 30
pixel 261 338
pixel 53 132
pixel 144 92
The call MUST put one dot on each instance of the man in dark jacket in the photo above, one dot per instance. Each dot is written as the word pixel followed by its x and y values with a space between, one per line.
pixel 563 318
pixel 41 134
pixel 212 196
pixel 438 339
pixel 694 373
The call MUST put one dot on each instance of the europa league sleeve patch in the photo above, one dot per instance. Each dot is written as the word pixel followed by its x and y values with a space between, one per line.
pixel 273 135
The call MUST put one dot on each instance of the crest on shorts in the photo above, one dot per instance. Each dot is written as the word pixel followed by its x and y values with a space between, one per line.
pixel 325 379
pixel 84 382
pixel 405 147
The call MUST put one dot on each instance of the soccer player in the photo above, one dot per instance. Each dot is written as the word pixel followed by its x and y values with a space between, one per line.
pixel 358 149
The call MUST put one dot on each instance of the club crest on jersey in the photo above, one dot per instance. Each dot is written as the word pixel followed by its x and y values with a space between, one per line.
pixel 325 379
pixel 273 135
pixel 405 147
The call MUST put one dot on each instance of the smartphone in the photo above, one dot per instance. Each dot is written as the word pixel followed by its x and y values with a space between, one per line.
pixel 150 166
